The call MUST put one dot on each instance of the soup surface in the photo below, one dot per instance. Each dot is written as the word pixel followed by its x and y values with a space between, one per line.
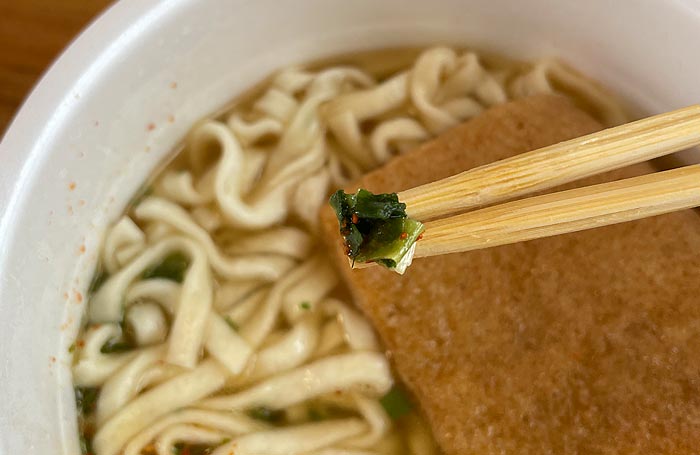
pixel 216 324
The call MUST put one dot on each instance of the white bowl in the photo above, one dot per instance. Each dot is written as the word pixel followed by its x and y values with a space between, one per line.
pixel 81 145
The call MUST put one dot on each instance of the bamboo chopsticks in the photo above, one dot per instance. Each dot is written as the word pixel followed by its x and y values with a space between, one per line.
pixel 565 211
pixel 557 164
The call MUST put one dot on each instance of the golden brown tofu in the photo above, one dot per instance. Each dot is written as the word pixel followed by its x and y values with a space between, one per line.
pixel 585 343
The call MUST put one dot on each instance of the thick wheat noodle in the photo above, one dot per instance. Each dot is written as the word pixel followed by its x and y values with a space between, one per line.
pixel 253 322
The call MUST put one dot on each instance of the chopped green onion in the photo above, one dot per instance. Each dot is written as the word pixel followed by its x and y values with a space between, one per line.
pixel 86 399
pixel 98 280
pixel 141 194
pixel 191 449
pixel 85 445
pixel 71 348
pixel 182 448
pixel 172 267
pixel 305 305
pixel 375 228
pixel 267 414
pixel 378 206
pixel 396 403
pixel 315 415
pixel 115 346
pixel 231 323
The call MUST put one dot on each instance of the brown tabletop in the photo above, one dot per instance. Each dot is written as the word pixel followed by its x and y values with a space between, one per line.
pixel 32 34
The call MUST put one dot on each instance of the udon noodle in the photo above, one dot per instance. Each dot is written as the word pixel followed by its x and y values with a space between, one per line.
pixel 219 326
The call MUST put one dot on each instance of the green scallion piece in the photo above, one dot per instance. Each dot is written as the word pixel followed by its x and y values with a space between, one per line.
pixel 375 228
pixel 396 403
pixel 172 267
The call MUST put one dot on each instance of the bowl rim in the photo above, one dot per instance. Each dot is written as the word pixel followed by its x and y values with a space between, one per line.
pixel 28 142
pixel 77 65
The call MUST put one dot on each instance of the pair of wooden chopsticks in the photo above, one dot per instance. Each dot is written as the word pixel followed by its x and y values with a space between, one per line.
pixel 565 211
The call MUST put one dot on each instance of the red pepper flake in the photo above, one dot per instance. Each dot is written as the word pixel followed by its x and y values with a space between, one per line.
pixel 82 249
pixel 71 186
pixel 173 85
pixel 78 296
pixel 355 219
pixel 81 202
pixel 53 359
pixel 403 236
pixel 151 126
pixel 80 343
pixel 420 237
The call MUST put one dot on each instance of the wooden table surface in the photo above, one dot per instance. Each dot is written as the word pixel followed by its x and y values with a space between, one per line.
pixel 32 34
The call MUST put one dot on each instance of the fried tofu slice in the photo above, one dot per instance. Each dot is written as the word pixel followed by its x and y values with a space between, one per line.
pixel 585 343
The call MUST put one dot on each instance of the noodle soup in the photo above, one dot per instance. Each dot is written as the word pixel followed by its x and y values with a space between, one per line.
pixel 216 322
